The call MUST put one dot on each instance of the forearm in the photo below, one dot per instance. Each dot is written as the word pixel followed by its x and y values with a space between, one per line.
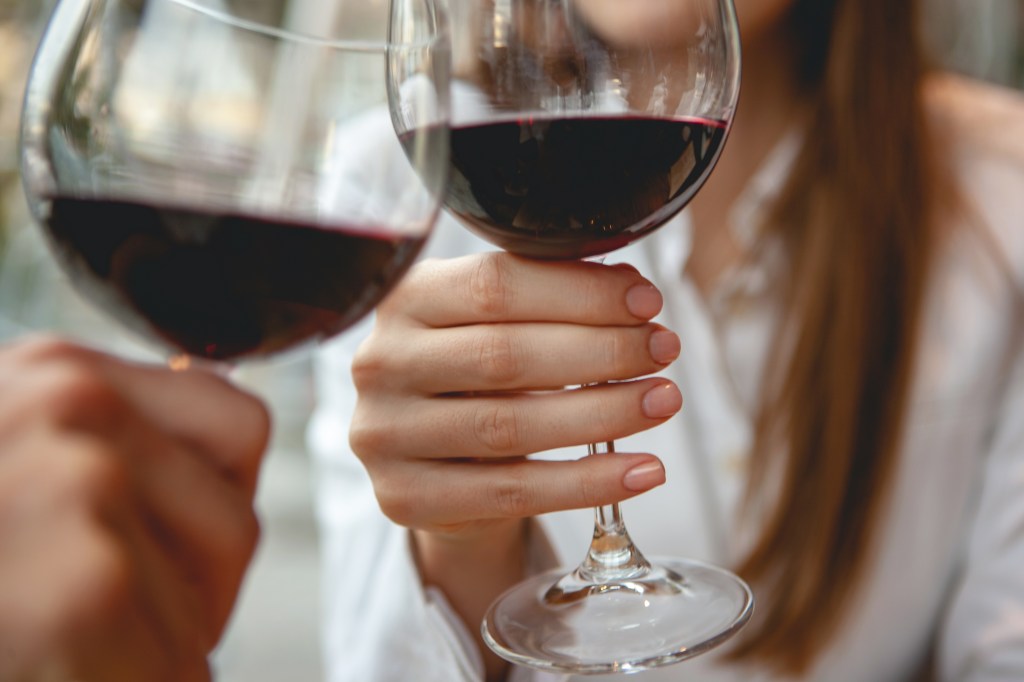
pixel 473 571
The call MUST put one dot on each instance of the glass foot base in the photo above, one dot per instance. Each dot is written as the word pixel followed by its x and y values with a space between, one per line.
pixel 676 610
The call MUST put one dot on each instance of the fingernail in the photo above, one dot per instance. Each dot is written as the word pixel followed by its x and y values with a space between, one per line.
pixel 643 301
pixel 644 476
pixel 662 401
pixel 664 346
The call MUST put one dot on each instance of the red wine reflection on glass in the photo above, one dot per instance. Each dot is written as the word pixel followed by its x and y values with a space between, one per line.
pixel 203 195
pixel 578 127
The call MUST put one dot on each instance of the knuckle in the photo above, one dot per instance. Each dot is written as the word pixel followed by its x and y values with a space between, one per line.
pixel 498 428
pixel 609 416
pixel 589 490
pixel 368 366
pixel 106 574
pixel 242 532
pixel 92 473
pixel 510 496
pixel 77 395
pixel 490 292
pixel 615 350
pixel 249 533
pixel 367 437
pixel 593 295
pixel 254 428
pixel 396 504
pixel 262 426
pixel 499 357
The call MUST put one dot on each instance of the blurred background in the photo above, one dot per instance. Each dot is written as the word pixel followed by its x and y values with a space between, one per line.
pixel 274 632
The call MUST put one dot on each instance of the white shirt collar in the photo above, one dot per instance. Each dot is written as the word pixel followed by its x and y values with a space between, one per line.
pixel 676 244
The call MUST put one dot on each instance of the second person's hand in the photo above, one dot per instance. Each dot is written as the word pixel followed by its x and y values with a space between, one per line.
pixel 126 514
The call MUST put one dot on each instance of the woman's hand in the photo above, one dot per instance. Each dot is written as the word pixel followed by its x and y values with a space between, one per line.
pixel 126 518
pixel 464 376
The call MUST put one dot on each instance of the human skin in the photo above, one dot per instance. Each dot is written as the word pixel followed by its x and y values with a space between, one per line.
pixel 126 516
pixel 457 384
pixel 446 413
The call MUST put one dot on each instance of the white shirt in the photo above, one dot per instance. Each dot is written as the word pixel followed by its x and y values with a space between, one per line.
pixel 948 578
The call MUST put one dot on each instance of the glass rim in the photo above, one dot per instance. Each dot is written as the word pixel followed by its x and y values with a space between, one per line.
pixel 351 45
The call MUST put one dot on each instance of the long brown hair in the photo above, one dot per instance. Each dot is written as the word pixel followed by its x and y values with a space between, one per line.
pixel 858 218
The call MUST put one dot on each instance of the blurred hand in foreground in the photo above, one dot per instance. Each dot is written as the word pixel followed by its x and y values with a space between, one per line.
pixel 126 515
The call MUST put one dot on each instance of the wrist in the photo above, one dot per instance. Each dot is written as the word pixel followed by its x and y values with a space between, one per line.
pixel 472 567
pixel 496 546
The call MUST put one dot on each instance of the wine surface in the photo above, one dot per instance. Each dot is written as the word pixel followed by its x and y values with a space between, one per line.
pixel 223 285
pixel 564 188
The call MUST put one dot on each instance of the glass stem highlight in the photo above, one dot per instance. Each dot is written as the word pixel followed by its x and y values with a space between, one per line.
pixel 612 555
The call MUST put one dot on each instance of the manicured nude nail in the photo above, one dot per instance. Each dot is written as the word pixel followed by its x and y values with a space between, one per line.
pixel 662 401
pixel 644 476
pixel 643 301
pixel 664 346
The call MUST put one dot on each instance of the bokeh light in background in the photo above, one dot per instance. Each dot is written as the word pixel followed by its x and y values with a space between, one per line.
pixel 274 635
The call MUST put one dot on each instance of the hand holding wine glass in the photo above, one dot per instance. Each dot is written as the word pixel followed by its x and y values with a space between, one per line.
pixel 578 127
pixel 126 514
pixel 183 162
pixel 456 388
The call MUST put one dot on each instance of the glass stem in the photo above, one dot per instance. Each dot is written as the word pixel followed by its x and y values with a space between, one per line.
pixel 612 555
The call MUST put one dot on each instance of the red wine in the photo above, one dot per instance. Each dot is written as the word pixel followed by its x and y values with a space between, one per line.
pixel 223 285
pixel 574 187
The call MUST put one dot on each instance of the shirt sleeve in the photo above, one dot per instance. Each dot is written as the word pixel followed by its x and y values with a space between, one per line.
pixel 982 639
pixel 379 623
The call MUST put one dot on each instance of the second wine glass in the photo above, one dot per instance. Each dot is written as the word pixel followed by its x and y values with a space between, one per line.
pixel 190 163
pixel 579 126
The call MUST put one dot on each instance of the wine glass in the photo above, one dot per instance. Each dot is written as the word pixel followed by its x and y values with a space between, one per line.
pixel 579 126
pixel 187 162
